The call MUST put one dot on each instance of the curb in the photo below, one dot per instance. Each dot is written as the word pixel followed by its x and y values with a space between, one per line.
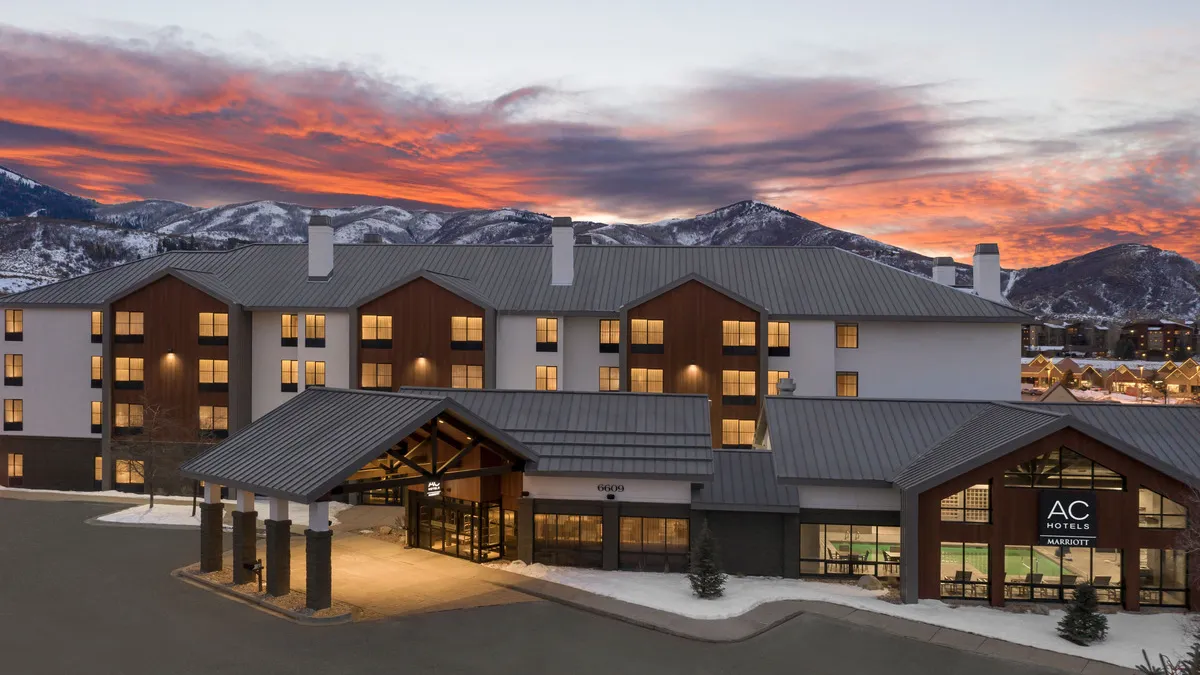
pixel 183 575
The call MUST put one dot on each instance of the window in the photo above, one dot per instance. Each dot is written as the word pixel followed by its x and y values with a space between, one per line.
pixel 610 336
pixel 99 479
pixel 14 370
pixel 289 330
pixel 847 336
pixel 214 375
pixel 737 387
pixel 737 433
pixel 97 417
pixel 97 372
pixel 972 505
pixel 466 332
pixel 1052 572
pixel 16 469
pixel 289 375
pixel 97 327
pixel 14 414
pixel 546 334
pixel 377 376
pixel 376 331
pixel 738 337
pixel 314 330
pixel 314 373
pixel 1063 468
pixel 654 544
pixel 214 328
pixel 647 380
pixel 964 570
pixel 779 338
pixel 1157 512
pixel 646 336
pixel 568 540
pixel 129 474
pixel 466 377
pixel 773 378
pixel 838 550
pixel 127 418
pixel 1164 577
pixel 130 327
pixel 14 325
pixel 847 384
pixel 546 378
pixel 129 373
pixel 214 421
pixel 610 378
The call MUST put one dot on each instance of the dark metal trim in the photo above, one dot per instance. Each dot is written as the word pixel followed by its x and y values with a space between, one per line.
pixel 288 342
pixel 14 381
pixel 610 347
pixel 376 344
pixel 314 342
pixel 97 384
pixel 739 400
pixel 645 349
pixel 289 386
pixel 14 337
pixel 779 351
pixel 129 339
pixel 97 339
pixel 98 429
pixel 14 426
pixel 129 384
pixel 213 340
pixel 546 347
pixel 739 350
pixel 214 386
pixel 467 345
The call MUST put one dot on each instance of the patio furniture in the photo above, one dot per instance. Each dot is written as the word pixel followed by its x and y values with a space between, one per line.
pixel 1069 580
pixel 892 554
pixel 1104 585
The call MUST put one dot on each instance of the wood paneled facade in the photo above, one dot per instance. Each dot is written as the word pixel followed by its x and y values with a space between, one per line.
pixel 1014 516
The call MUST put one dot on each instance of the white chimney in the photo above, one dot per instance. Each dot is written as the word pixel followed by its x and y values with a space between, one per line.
pixel 320 248
pixel 944 271
pixel 987 272
pixel 786 386
pixel 562 258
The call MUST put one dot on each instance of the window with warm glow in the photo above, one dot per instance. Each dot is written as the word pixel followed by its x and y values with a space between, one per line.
pixel 129 471
pixel 289 374
pixel 610 378
pixel 646 331
pixel 97 371
pixel 779 334
pixel 737 433
pixel 14 324
pixel 847 336
pixel 466 377
pixel 376 328
pixel 130 323
pixel 1159 513
pixel 314 330
pixel 610 335
pixel 314 373
pixel 99 468
pixel 547 378
pixel 16 465
pixel 466 329
pixel 737 382
pixel 14 370
pixel 214 371
pixel 97 326
pixel 129 369
pixel 646 380
pixel 847 384
pixel 738 334
pixel 773 378
pixel 128 416
pixel 97 416
pixel 377 376
pixel 972 505
pixel 289 329
pixel 214 325
pixel 214 418
pixel 546 334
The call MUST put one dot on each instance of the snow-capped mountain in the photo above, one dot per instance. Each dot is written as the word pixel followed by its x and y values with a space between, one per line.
pixel 142 215
pixel 23 196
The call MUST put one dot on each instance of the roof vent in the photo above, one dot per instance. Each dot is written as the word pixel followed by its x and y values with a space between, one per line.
pixel 320 248
pixel 372 238
pixel 944 271
pixel 786 386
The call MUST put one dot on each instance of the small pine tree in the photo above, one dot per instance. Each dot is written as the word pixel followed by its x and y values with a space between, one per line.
pixel 1083 624
pixel 706 577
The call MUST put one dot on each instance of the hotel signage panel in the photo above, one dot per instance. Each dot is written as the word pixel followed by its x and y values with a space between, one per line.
pixel 1067 518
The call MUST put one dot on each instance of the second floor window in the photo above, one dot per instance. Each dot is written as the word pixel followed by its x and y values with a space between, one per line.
pixel 466 377
pixel 610 378
pixel 377 376
pixel 14 324
pixel 546 378
pixel 314 373
pixel 314 330
pixel 847 384
pixel 214 375
pixel 97 417
pixel 97 372
pixel 214 421
pixel 773 378
pixel 1063 468
pixel 737 433
pixel 14 370
pixel 1157 512
pixel 546 334
pixel 127 417
pixel 646 336
pixel 466 332
pixel 738 337
pixel 214 328
pixel 97 327
pixel 847 336
pixel 779 338
pixel 376 331
pixel 289 375
pixel 738 387
pixel 610 336
pixel 14 414
pixel 129 373
pixel 646 380
pixel 129 327
pixel 289 330
pixel 972 505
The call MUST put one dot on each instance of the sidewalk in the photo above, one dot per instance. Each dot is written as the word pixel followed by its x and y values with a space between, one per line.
pixel 108 497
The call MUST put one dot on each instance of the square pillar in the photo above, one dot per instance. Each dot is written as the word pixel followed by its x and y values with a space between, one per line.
pixel 245 543
pixel 791 546
pixel 611 529
pixel 318 558
pixel 212 512
pixel 279 549
pixel 525 530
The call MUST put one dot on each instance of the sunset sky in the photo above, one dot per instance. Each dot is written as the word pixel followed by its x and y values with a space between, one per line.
pixel 1052 128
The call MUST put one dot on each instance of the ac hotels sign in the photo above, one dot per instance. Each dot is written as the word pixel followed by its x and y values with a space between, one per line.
pixel 1067 518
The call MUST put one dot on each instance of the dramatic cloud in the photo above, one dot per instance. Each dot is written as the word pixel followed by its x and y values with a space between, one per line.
pixel 117 121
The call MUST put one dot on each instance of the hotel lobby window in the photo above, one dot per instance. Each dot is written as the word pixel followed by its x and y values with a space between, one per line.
pixel 610 378
pixel 1063 468
pixel 646 336
pixel 646 380
pixel 466 333
pixel 1159 513
pixel 849 550
pixel 779 338
pixel 466 377
pixel 654 544
pixel 1163 575
pixel 964 570
pixel 610 336
pixel 737 433
pixel 568 540
pixel 129 475
pixel 972 505
pixel 1052 572
pixel 546 334
pixel 739 338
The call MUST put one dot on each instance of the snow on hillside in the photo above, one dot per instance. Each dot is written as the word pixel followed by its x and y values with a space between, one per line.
pixel 17 178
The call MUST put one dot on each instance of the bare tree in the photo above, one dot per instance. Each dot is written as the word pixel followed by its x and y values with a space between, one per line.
pixel 156 447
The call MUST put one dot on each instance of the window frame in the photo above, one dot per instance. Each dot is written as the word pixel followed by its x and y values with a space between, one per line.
pixel 378 335
pixel 16 469
pixel 97 417
pixel 544 376
pixel 14 414
pixel 846 335
pixel 610 336
pixel 217 373
pixel 289 368
pixel 97 369
pixel 957 588
pixel 964 510
pixel 14 325
pixel 1152 595
pixel 314 330
pixel 128 429
pixel 213 430
pixel 773 378
pixel 610 378
pixel 466 337
pixel 545 334
pixel 739 337
pixel 643 333
pixel 129 382
pixel 133 321
pixel 736 390
pixel 14 370
pixel 376 376
pixel 658 556
pixel 218 328
pixel 97 327
pixel 568 551
pixel 829 563
pixel 779 333
pixel 463 373
pixel 839 383
pixel 1161 515
pixel 743 430
pixel 643 380
pixel 286 327
pixel 314 370
pixel 1039 480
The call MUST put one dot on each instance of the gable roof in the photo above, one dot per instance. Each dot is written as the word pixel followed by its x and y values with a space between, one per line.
pixel 812 282
pixel 1059 393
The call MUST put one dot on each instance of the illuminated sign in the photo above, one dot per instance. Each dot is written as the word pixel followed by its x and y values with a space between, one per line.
pixel 433 488
pixel 1067 518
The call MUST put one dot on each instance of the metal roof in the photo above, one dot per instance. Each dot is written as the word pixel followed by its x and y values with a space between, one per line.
pixel 744 480
pixel 822 282
pixel 599 433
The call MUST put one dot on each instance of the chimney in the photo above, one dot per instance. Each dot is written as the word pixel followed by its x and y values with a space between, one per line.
pixel 562 257
pixel 944 271
pixel 372 238
pixel 320 248
pixel 987 272
pixel 786 386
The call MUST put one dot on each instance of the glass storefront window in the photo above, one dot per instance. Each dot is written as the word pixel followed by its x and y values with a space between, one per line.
pixel 1052 572
pixel 1157 512
pixel 972 505
pixel 1163 575
pixel 1063 468
pixel 964 570
pixel 654 544
pixel 568 540
pixel 852 550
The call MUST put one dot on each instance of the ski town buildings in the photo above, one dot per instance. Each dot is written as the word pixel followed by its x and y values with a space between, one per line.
pixel 598 406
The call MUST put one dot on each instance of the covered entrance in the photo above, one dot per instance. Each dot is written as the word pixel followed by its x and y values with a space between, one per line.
pixel 464 529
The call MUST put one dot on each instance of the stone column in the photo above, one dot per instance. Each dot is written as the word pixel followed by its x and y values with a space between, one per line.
pixel 279 549
pixel 244 537
pixel 212 512
pixel 318 558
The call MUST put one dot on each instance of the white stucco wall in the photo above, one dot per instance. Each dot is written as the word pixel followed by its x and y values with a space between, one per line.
pixel 266 367
pixel 623 490
pixel 849 498
pixel 56 393
pixel 582 356
pixel 811 362
pixel 335 353
pixel 517 357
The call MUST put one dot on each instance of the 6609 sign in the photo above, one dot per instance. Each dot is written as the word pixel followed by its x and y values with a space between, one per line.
pixel 610 487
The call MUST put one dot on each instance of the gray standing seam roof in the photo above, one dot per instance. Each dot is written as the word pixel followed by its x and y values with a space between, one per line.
pixel 744 480
pixel 820 282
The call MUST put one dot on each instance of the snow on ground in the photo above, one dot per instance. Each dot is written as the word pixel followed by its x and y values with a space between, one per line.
pixel 1128 633
pixel 181 514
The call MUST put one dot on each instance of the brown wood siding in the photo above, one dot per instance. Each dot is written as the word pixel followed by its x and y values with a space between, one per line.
pixel 172 323
pixel 1014 514
pixel 420 312
pixel 692 314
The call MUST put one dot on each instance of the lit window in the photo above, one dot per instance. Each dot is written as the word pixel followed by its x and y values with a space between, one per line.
pixel 314 373
pixel 779 338
pixel 737 433
pixel 130 324
pixel 97 326
pixel 1157 512
pixel 610 378
pixel 14 324
pixel 466 331
pixel 14 414
pixel 130 471
pixel 214 328
pixel 289 375
pixel 546 334
pixel 773 378
pixel 738 383
pixel 1063 468
pixel 314 330
pixel 16 465
pixel 610 335
pixel 377 376
pixel 214 420
pixel 99 469
pixel 214 371
pixel 847 336
pixel 646 331
pixel 847 384
pixel 738 334
pixel 129 372
pixel 14 370
pixel 376 330
pixel 97 372
pixel 972 505
pixel 289 330
pixel 127 416
pixel 97 417
pixel 547 378
pixel 648 380
pixel 466 377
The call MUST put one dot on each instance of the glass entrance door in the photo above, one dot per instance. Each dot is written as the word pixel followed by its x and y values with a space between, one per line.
pixel 464 529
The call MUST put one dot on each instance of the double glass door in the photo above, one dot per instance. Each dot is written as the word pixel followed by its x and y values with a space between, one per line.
pixel 464 529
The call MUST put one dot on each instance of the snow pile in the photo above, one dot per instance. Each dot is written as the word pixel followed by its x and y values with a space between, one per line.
pixel 1128 634
pixel 181 514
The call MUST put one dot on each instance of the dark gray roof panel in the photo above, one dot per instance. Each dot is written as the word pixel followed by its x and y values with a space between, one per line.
pixel 787 281
pixel 744 480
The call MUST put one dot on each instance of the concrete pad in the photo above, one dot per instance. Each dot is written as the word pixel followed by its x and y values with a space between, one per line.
pixel 912 629
pixel 1101 668
pixel 958 639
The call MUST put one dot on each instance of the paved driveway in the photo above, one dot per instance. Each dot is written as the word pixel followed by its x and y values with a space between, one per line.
pixel 89 600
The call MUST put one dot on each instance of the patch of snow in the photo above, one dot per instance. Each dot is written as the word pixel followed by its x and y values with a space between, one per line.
pixel 5 173
pixel 1128 633
pixel 181 514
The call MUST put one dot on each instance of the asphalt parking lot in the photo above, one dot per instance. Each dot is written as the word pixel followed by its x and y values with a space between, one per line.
pixel 84 599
